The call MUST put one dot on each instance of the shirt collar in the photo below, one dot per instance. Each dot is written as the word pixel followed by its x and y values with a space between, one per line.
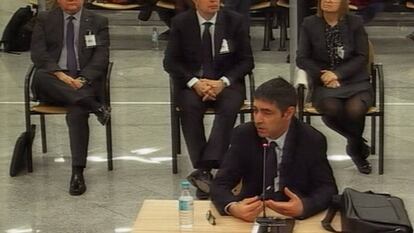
pixel 201 20
pixel 77 16
pixel 280 141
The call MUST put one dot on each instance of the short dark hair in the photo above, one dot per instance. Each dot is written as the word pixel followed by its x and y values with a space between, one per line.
pixel 277 91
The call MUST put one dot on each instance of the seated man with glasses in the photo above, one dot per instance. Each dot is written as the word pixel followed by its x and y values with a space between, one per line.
pixel 298 178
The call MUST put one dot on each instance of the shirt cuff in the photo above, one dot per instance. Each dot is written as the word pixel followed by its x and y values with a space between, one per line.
pixel 226 208
pixel 192 81
pixel 225 80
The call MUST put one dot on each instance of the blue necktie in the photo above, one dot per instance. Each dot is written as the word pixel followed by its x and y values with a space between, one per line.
pixel 207 52
pixel 70 48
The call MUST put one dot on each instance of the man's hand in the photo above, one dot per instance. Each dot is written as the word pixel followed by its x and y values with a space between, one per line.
pixel 333 84
pixel 216 87
pixel 68 80
pixel 292 208
pixel 201 88
pixel 247 209
pixel 329 79
pixel 77 83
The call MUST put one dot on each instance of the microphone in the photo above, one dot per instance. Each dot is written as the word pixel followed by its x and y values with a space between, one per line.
pixel 265 146
pixel 266 224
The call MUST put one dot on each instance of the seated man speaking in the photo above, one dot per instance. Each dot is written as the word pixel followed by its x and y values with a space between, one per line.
pixel 299 179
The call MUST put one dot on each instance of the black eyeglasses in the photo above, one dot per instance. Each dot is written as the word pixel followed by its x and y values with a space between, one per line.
pixel 210 218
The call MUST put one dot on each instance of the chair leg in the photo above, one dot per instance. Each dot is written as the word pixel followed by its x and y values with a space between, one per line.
pixel 381 146
pixel 29 146
pixel 283 31
pixel 175 134
pixel 373 134
pixel 267 29
pixel 308 119
pixel 242 119
pixel 178 137
pixel 108 129
pixel 43 133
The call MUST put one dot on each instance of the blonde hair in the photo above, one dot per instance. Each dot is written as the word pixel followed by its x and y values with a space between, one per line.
pixel 343 8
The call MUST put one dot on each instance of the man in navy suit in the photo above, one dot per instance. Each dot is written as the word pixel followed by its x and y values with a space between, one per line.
pixel 298 181
pixel 207 57
pixel 70 49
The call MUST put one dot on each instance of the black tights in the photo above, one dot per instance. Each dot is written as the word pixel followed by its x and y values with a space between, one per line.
pixel 346 116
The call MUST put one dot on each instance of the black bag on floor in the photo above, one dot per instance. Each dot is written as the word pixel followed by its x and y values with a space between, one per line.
pixel 368 212
pixel 18 32
pixel 19 158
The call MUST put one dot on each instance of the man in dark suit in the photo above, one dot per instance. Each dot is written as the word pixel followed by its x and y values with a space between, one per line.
pixel 298 181
pixel 207 57
pixel 70 49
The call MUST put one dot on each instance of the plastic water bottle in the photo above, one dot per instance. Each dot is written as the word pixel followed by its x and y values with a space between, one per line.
pixel 154 39
pixel 185 206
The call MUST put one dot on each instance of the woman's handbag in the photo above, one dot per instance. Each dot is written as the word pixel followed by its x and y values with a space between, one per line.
pixel 368 212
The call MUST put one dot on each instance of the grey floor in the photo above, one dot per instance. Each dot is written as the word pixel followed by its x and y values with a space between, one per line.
pixel 39 201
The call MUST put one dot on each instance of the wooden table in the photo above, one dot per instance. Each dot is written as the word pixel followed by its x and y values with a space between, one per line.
pixel 162 216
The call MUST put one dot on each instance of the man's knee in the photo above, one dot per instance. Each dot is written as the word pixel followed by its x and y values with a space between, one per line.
pixel 76 114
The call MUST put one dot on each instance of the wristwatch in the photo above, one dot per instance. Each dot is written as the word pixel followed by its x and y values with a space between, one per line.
pixel 83 80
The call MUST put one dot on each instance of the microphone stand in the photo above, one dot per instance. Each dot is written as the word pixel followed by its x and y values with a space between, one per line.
pixel 268 224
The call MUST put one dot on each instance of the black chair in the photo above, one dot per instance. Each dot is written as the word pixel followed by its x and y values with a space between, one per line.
pixel 43 109
pixel 306 110
pixel 246 108
pixel 273 9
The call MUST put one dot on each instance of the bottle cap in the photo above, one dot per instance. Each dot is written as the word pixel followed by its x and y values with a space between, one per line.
pixel 185 184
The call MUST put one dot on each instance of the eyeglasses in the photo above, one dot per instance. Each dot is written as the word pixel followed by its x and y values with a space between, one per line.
pixel 210 218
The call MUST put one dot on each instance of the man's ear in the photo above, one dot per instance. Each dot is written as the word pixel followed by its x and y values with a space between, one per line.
pixel 290 112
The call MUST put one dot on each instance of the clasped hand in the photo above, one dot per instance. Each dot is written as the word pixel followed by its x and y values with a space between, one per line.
pixel 249 208
pixel 72 82
pixel 208 89
pixel 329 79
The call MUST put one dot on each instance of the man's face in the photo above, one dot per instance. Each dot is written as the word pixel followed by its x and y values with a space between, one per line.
pixel 269 120
pixel 70 6
pixel 330 6
pixel 207 7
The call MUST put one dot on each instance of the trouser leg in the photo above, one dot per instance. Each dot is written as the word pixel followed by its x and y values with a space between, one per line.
pixel 77 121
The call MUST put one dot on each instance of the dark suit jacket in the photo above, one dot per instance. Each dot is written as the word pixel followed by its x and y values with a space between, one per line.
pixel 312 54
pixel 47 44
pixel 304 168
pixel 183 54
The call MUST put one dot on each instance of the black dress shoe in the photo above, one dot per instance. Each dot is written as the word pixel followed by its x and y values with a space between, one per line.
pixel 201 180
pixel 202 195
pixel 165 35
pixel 411 36
pixel 145 13
pixel 363 165
pixel 358 149
pixel 103 114
pixel 77 185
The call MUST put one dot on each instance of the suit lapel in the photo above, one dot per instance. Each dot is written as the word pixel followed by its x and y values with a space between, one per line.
pixel 218 33
pixel 195 35
pixel 288 152
pixel 320 30
pixel 59 27
pixel 345 35
pixel 84 27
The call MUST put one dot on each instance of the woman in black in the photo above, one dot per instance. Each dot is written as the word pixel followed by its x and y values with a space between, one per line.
pixel 333 50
